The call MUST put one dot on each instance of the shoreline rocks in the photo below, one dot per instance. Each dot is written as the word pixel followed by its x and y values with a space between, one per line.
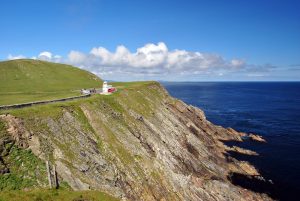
pixel 257 138
pixel 242 151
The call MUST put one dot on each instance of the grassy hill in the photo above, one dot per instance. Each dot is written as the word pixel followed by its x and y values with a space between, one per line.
pixel 27 80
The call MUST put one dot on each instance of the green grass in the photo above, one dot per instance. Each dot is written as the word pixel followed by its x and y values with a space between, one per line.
pixel 33 80
pixel 55 195
pixel 3 131
pixel 132 84
pixel 14 98
pixel 25 170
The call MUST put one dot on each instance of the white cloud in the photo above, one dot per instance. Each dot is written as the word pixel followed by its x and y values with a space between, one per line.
pixel 11 57
pixel 237 63
pixel 47 55
pixel 76 58
pixel 255 75
pixel 151 56
pixel 151 59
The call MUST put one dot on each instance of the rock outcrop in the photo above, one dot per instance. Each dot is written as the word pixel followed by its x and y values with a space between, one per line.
pixel 257 138
pixel 138 144
pixel 241 151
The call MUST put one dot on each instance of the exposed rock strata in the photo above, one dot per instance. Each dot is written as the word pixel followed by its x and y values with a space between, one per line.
pixel 140 145
pixel 257 138
pixel 241 150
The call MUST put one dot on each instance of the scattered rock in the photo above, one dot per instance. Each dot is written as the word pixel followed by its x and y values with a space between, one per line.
pixel 15 127
pixel 248 168
pixel 84 168
pixel 242 151
pixel 257 138
pixel 67 175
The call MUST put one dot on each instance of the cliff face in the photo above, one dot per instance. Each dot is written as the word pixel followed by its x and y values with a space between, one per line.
pixel 137 144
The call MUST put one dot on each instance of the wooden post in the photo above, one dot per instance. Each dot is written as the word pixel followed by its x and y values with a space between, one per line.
pixel 49 174
pixel 55 177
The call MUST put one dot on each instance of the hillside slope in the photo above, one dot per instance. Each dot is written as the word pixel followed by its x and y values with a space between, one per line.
pixel 137 144
pixel 27 80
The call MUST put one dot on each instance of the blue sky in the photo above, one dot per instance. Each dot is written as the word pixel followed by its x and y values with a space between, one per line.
pixel 165 40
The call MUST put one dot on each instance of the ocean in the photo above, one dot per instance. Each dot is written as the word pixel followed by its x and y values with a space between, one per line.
pixel 270 109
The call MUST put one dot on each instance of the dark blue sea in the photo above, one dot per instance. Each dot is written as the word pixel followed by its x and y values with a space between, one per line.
pixel 271 109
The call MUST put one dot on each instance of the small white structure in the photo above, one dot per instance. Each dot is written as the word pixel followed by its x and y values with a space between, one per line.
pixel 107 89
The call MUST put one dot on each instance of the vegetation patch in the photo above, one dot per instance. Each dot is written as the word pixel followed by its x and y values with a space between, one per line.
pixel 55 195
pixel 25 170
pixel 3 131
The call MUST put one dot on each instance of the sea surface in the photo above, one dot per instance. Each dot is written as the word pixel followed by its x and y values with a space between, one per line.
pixel 270 109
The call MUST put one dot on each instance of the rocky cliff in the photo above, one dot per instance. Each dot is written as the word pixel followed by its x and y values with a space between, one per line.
pixel 137 144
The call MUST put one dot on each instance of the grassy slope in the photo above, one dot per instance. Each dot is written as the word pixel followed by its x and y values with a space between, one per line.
pixel 32 80
pixel 131 93
pixel 137 100
pixel 53 195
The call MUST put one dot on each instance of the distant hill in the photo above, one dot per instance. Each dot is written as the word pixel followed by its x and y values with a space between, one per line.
pixel 30 80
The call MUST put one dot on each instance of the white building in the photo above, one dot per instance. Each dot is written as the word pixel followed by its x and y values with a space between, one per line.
pixel 107 88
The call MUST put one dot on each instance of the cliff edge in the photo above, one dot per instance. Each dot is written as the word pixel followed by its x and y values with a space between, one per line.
pixel 137 144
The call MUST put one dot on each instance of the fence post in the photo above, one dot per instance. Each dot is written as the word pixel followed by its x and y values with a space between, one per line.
pixel 55 177
pixel 49 174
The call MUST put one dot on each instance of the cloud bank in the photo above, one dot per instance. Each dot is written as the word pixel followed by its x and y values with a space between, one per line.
pixel 149 60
